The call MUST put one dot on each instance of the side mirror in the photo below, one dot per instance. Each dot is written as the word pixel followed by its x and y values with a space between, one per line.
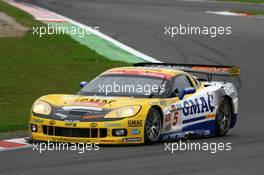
pixel 174 93
pixel 183 92
pixel 83 83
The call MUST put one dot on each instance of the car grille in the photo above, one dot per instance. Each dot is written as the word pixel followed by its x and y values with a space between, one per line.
pixel 75 132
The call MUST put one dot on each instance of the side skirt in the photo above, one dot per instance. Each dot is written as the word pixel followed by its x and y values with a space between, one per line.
pixel 199 130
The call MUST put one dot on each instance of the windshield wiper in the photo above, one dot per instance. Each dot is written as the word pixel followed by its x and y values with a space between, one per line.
pixel 153 93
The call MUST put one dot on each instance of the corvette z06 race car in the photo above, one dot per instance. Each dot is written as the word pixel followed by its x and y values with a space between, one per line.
pixel 144 103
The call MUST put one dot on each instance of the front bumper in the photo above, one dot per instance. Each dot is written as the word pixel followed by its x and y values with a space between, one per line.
pixel 87 132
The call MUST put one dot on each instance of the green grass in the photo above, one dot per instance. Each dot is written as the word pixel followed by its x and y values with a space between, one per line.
pixel 251 12
pixel 31 67
pixel 246 1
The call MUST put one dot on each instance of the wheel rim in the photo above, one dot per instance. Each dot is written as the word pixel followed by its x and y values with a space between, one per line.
pixel 224 117
pixel 153 125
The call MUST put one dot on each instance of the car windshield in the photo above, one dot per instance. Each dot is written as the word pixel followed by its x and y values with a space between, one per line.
pixel 126 85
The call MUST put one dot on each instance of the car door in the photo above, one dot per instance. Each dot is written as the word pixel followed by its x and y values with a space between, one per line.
pixel 177 114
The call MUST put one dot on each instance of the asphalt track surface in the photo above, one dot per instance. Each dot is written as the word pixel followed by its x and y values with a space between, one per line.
pixel 140 24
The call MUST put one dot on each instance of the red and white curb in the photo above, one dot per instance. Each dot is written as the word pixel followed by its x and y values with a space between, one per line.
pixel 228 13
pixel 11 144
pixel 38 13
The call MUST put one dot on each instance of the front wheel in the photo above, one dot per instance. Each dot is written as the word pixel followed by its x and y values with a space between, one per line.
pixel 223 117
pixel 152 126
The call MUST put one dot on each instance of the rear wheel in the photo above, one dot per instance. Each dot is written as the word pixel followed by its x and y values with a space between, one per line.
pixel 223 117
pixel 152 126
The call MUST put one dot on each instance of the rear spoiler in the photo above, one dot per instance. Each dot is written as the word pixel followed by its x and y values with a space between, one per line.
pixel 209 70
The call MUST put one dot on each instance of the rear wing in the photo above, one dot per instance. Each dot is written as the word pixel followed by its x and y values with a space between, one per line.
pixel 209 70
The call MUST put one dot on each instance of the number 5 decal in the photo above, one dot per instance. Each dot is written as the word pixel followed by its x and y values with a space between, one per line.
pixel 175 119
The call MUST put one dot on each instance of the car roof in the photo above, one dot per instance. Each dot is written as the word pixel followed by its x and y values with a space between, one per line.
pixel 151 71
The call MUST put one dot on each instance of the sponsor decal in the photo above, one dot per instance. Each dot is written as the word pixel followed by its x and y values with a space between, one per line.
pixel 168 127
pixel 234 71
pixel 135 123
pixel 168 121
pixel 89 117
pixel 175 119
pixel 135 131
pixel 131 139
pixel 176 106
pixel 62 116
pixel 164 103
pixel 81 107
pixel 211 116
pixel 109 141
pixel 93 125
pixel 112 125
pixel 140 72
pixel 229 90
pixel 90 101
pixel 52 122
pixel 211 69
pixel 197 106
pixel 36 120
pixel 167 118
pixel 71 123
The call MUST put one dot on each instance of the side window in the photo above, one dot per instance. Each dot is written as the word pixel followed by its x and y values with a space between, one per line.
pixel 181 82
pixel 197 83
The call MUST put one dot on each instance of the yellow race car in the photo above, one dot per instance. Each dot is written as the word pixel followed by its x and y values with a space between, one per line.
pixel 145 103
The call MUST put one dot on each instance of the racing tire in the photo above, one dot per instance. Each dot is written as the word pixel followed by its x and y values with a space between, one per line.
pixel 223 117
pixel 153 126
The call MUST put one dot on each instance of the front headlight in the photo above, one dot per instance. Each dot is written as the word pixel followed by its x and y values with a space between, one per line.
pixel 123 112
pixel 41 107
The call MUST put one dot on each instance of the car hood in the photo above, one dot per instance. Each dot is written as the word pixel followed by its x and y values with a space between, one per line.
pixel 86 108
pixel 92 101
